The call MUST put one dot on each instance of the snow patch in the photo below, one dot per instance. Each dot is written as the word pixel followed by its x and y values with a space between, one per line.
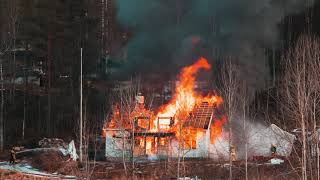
pixel 25 168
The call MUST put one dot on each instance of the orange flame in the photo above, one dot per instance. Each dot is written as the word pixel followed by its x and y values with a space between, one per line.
pixel 184 100
pixel 216 129
pixel 185 96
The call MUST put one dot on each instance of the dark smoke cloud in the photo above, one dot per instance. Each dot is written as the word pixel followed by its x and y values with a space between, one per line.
pixel 167 34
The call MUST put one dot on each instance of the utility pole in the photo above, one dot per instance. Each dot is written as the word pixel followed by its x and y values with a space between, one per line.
pixel 84 37
pixel 81 99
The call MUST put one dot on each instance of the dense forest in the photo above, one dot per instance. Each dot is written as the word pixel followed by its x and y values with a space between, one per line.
pixel 40 55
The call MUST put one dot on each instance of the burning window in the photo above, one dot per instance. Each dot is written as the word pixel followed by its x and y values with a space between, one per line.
pixel 190 143
pixel 150 145
pixel 165 123
pixel 142 122
pixel 147 145
pixel 189 139
pixel 163 141
pixel 139 141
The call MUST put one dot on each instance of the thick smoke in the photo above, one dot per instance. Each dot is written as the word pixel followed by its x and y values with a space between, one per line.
pixel 167 34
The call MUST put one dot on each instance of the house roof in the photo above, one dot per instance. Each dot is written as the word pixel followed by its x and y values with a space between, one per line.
pixel 200 116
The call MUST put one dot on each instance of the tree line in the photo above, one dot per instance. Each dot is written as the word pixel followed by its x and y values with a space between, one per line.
pixel 48 35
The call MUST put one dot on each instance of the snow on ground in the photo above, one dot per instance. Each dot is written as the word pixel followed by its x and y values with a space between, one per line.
pixel 24 167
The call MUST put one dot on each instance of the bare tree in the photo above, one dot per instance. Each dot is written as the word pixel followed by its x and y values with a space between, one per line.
pixel 245 111
pixel 90 135
pixel 123 120
pixel 81 105
pixel 2 106
pixel 127 104
pixel 182 115
pixel 229 91
pixel 5 46
pixel 300 89
pixel 13 16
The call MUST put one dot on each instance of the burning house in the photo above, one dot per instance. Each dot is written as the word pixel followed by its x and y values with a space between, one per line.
pixel 187 126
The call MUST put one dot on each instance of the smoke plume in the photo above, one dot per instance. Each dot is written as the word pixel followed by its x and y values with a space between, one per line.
pixel 167 34
pixel 254 138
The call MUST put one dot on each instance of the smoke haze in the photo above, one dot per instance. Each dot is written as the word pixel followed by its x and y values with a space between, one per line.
pixel 258 138
pixel 168 34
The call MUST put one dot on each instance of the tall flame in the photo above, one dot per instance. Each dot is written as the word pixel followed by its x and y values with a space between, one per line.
pixel 184 100
pixel 185 96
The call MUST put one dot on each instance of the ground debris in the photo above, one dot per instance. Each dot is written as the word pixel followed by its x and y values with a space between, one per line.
pixel 12 175
pixel 52 143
